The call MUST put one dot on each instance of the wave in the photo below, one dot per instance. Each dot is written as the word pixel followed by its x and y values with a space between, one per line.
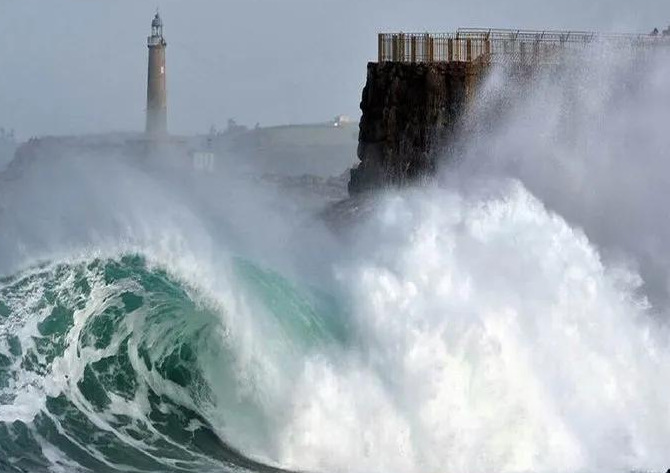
pixel 512 320
pixel 114 365
pixel 474 332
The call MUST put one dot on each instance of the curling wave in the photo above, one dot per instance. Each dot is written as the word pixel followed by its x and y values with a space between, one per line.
pixel 114 365
pixel 466 332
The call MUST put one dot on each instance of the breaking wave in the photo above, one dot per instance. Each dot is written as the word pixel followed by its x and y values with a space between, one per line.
pixel 153 323
pixel 478 334
pixel 114 365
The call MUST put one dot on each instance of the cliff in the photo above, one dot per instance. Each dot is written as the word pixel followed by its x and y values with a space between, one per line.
pixel 409 111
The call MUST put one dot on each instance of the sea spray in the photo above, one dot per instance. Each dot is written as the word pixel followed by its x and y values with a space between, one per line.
pixel 476 331
pixel 492 338
pixel 589 139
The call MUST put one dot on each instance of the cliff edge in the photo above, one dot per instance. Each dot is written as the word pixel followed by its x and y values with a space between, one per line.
pixel 409 111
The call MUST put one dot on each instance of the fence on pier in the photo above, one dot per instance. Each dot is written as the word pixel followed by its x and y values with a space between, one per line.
pixel 500 46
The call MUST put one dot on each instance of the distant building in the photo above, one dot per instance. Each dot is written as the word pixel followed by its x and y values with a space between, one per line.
pixel 156 83
pixel 233 127
pixel 203 161
pixel 341 120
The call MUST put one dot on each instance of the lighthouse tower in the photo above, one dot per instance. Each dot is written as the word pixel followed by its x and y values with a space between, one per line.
pixel 156 89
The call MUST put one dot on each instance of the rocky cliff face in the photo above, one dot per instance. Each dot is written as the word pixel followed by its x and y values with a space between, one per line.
pixel 409 111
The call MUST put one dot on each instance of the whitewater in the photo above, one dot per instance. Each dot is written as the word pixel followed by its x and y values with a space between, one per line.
pixel 510 316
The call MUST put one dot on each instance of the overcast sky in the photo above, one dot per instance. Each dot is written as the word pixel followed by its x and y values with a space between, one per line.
pixel 79 66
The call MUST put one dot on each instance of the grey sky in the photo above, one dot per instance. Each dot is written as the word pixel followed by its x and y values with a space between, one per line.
pixel 78 66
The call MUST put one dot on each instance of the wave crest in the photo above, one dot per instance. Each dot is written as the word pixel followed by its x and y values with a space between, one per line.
pixel 113 364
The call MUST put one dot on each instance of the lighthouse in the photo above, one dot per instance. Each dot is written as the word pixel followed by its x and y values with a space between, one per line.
pixel 156 86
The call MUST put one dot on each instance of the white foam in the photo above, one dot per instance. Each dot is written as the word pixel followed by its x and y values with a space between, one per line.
pixel 493 339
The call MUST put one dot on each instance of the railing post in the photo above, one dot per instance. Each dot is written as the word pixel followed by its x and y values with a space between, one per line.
pixel 402 47
pixel 468 49
pixel 413 53
pixel 395 48
pixel 450 50
pixel 380 48
pixel 431 49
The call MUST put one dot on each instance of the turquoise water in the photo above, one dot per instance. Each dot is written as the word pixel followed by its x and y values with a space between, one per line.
pixel 115 365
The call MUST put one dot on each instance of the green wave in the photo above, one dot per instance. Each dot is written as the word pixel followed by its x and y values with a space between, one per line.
pixel 116 365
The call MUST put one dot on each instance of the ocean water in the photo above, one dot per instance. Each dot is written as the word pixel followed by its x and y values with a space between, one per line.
pixel 511 317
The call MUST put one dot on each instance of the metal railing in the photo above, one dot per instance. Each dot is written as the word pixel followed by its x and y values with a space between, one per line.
pixel 155 41
pixel 497 45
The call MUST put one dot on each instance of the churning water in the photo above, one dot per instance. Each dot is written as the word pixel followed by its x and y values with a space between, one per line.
pixel 511 318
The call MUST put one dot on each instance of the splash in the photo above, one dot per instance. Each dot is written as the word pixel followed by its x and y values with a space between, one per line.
pixel 494 339
pixel 510 319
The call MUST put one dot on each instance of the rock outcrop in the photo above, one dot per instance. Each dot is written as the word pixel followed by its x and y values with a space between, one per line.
pixel 409 111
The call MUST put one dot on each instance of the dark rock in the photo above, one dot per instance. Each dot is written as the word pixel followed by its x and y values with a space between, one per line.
pixel 409 111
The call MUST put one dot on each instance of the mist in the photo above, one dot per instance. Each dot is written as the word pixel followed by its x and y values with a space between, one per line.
pixel 589 140
pixel 85 204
